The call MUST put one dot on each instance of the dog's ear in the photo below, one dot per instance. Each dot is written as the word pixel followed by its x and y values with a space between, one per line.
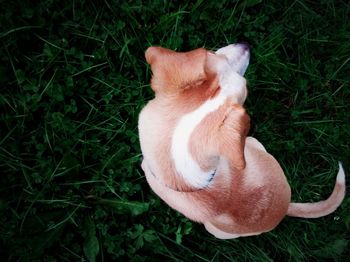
pixel 150 53
pixel 175 71
pixel 154 52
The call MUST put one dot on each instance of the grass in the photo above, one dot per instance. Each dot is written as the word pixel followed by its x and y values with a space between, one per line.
pixel 73 79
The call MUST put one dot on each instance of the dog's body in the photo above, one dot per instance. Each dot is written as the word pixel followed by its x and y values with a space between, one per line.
pixel 197 156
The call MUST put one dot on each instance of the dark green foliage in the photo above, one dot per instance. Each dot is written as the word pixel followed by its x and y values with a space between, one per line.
pixel 72 81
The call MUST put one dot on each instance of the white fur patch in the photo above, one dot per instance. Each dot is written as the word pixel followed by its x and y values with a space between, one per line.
pixel 237 56
pixel 231 84
pixel 224 235
pixel 184 162
pixel 341 175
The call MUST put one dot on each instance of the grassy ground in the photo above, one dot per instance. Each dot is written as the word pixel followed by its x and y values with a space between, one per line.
pixel 72 82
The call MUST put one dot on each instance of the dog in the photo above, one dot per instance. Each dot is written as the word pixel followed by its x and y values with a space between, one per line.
pixel 197 156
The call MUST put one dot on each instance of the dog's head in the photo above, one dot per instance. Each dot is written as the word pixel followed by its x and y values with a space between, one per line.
pixel 175 72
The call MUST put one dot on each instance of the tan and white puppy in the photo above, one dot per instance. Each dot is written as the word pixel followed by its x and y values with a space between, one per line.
pixel 197 156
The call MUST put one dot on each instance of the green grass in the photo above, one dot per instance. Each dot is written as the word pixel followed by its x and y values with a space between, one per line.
pixel 73 79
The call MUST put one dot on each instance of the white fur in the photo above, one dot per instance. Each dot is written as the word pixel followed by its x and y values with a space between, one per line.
pixel 184 162
pixel 237 56
pixel 232 85
pixel 224 235
pixel 341 175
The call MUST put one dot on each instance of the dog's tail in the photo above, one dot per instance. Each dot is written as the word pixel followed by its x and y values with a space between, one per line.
pixel 322 208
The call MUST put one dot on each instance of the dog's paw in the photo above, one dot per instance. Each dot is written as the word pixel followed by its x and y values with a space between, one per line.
pixel 237 119
pixel 232 135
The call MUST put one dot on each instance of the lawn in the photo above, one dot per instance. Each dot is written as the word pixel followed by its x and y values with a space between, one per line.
pixel 73 80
